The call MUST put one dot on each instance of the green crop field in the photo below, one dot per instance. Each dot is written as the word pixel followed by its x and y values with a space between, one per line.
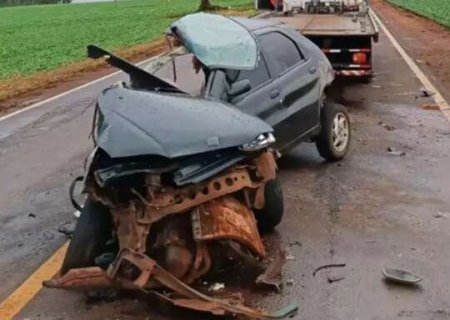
pixel 437 10
pixel 38 38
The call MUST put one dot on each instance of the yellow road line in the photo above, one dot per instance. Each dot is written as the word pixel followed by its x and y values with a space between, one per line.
pixel 30 287
pixel 438 98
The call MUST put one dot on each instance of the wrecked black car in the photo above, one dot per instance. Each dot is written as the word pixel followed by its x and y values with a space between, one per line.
pixel 283 80
pixel 178 180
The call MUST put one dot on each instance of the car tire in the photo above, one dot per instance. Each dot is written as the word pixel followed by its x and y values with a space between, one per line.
pixel 272 213
pixel 333 141
pixel 92 232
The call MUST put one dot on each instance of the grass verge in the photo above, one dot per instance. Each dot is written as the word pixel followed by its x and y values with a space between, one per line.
pixel 45 45
pixel 436 10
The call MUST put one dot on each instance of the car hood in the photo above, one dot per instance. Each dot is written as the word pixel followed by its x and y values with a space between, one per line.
pixel 133 122
pixel 217 41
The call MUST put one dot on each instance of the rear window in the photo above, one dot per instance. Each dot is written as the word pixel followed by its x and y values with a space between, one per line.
pixel 281 51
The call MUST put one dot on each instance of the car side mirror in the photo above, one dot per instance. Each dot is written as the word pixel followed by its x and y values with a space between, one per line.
pixel 239 88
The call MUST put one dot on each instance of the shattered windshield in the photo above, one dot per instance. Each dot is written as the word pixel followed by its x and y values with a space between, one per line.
pixel 217 41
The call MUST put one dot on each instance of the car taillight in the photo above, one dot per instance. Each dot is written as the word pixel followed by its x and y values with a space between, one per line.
pixel 360 58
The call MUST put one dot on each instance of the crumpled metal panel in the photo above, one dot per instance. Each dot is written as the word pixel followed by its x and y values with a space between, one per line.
pixel 133 123
pixel 150 271
pixel 227 218
pixel 81 279
pixel 183 199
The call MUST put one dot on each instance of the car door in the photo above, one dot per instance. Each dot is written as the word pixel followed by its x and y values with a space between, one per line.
pixel 264 98
pixel 297 77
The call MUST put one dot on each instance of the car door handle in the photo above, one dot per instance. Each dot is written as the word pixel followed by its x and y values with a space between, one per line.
pixel 274 93
pixel 312 70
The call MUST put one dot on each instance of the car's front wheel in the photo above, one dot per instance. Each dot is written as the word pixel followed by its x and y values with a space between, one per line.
pixel 333 141
pixel 272 213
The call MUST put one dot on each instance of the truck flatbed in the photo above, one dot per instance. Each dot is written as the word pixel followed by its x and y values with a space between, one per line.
pixel 347 24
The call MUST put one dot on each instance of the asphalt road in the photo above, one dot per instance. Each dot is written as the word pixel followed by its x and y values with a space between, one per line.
pixel 369 211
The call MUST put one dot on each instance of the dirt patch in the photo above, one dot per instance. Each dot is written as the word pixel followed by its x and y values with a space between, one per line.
pixel 426 41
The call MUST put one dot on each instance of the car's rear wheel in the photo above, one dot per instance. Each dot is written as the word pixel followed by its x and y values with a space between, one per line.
pixel 333 141
pixel 92 232
pixel 272 213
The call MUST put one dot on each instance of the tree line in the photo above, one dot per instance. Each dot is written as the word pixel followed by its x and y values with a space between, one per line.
pixel 8 3
pixel 204 4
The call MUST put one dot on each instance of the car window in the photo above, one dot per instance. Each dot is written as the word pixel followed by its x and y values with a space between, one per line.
pixel 256 77
pixel 280 51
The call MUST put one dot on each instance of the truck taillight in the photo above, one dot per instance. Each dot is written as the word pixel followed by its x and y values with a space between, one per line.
pixel 360 58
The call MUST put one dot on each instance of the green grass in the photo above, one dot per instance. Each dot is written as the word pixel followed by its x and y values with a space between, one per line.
pixel 437 10
pixel 39 38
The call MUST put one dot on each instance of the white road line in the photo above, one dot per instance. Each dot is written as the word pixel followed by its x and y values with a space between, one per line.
pixel 65 93
pixel 438 98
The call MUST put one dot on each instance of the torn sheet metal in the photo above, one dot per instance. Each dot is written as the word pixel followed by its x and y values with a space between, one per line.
pixel 272 275
pixel 227 218
pixel 145 269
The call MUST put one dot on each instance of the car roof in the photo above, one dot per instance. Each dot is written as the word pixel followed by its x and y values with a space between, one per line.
pixel 254 24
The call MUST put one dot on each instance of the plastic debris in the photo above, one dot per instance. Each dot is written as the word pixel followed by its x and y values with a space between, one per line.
pixel 395 152
pixel 401 276
pixel 440 214
pixel 388 127
pixel 217 286
pixel 77 214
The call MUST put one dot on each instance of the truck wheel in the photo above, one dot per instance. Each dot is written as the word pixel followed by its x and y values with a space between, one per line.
pixel 333 141
pixel 92 232
pixel 272 213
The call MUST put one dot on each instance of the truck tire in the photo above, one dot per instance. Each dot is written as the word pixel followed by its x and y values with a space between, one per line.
pixel 272 213
pixel 333 141
pixel 92 232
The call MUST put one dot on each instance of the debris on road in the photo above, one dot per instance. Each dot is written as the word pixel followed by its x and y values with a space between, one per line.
pixel 327 266
pixel 431 106
pixel 295 243
pixel 388 127
pixel 401 276
pixel 440 214
pixel 77 214
pixel 289 256
pixel 68 229
pixel 217 286
pixel 290 282
pixel 31 215
pixel 393 151
pixel 425 93
pixel 272 275
pixel 335 279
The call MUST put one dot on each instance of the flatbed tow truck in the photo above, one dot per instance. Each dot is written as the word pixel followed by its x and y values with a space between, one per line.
pixel 343 29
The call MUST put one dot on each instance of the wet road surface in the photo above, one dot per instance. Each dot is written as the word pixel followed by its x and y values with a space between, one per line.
pixel 372 210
